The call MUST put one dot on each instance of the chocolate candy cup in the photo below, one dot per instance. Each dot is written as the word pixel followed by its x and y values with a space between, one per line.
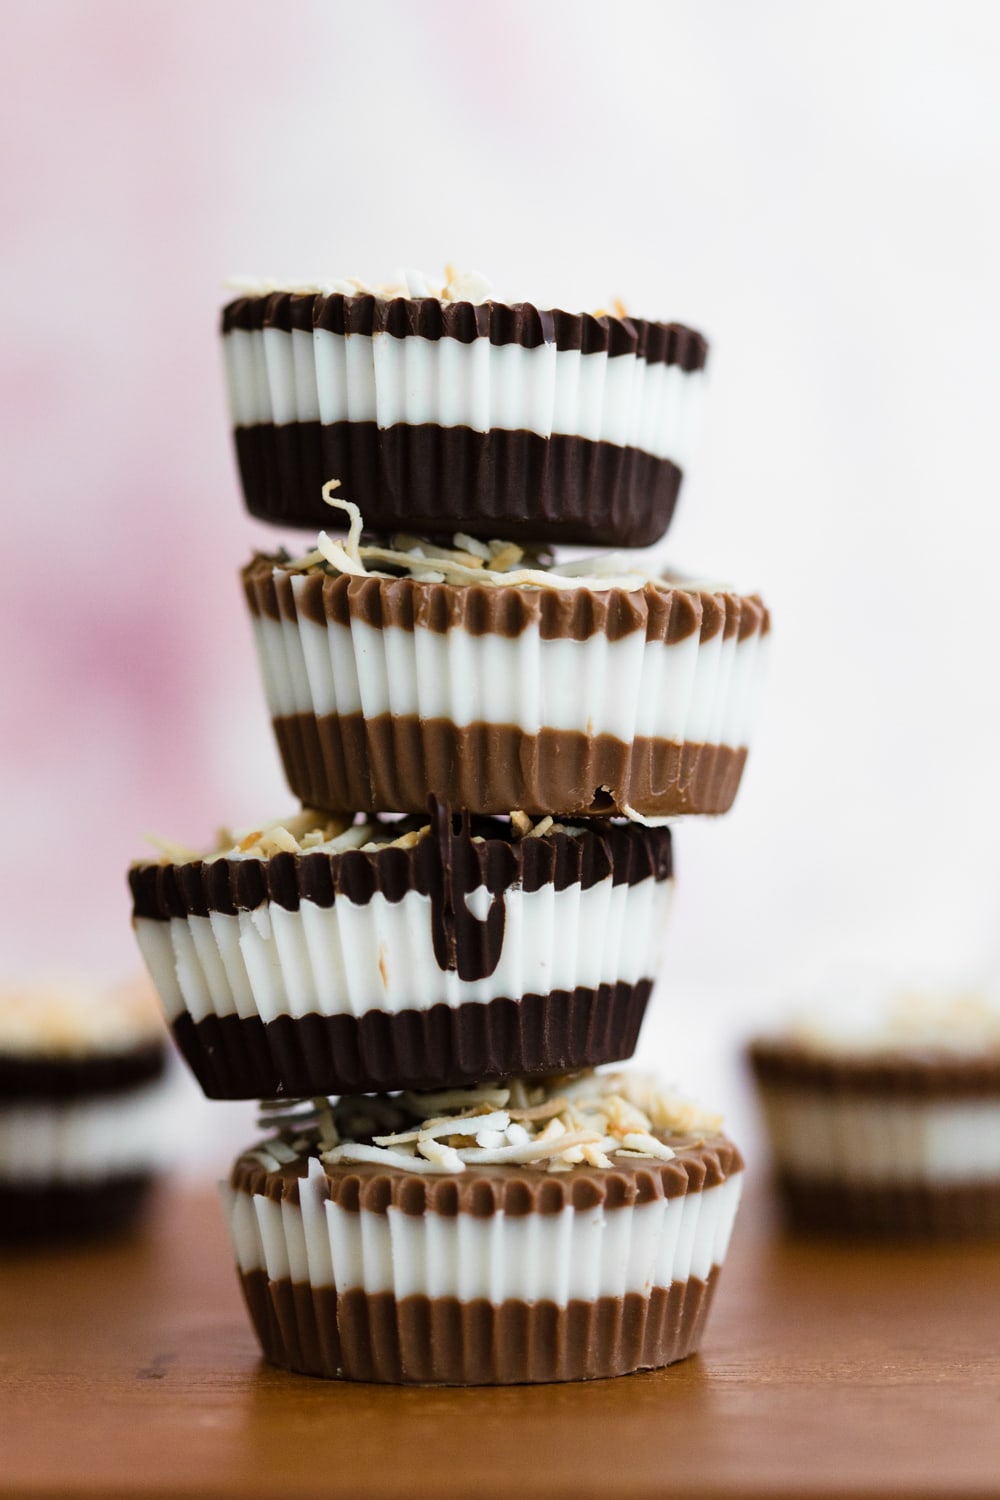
pixel 494 420
pixel 500 1275
pixel 470 955
pixel 894 1143
pixel 571 702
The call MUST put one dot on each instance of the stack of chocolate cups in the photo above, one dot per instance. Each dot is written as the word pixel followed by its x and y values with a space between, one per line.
pixel 419 972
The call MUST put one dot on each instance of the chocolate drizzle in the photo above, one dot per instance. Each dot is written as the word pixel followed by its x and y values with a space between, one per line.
pixel 483 852
pixel 463 942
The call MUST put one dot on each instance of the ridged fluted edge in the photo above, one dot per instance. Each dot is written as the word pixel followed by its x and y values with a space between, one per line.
pixel 666 614
pixel 699 1164
pixel 442 1341
pixel 236 1057
pixel 492 857
pixel 897 1075
pixel 904 1210
pixel 502 323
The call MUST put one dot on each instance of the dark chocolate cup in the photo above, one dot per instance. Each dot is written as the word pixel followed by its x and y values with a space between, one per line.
pixel 890 1211
pixel 438 1339
pixel 884 1096
pixel 36 1213
pixel 391 1031
pixel 422 452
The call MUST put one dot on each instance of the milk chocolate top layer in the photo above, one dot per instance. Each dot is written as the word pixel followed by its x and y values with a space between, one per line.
pixel 663 614
pixel 457 855
pixel 514 1190
pixel 425 317
pixel 893 1073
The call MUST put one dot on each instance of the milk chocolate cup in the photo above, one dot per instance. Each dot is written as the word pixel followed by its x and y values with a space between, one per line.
pixel 894 1143
pixel 471 955
pixel 494 420
pixel 500 1275
pixel 565 701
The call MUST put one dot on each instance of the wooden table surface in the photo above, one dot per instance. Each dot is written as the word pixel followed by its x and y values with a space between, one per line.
pixel 827 1370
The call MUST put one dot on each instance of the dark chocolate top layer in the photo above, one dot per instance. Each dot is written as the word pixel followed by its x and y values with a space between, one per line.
pixel 52 1078
pixel 663 614
pixel 517 323
pixel 515 1190
pixel 457 855
pixel 893 1072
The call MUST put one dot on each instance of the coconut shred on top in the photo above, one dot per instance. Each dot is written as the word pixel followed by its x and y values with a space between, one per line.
pixel 411 284
pixel 581 1119
pixel 313 832
pixel 497 564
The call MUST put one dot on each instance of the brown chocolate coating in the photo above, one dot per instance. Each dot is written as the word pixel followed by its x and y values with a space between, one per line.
pixel 31 1213
pixel 440 480
pixel 892 1210
pixel 389 764
pixel 38 1077
pixel 236 1057
pixel 442 1341
pixel 895 1073
pixel 426 317
pixel 665 614
pixel 482 1191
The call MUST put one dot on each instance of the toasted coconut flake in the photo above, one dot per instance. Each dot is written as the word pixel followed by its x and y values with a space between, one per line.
pixel 444 1157
pixel 562 1122
pixel 455 1099
pixel 354 1151
pixel 172 853
pixel 557 1106
pixel 643 1142
pixel 430 562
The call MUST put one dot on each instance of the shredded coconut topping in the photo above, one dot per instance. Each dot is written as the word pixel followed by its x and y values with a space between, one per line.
pixel 66 1018
pixel 312 832
pixel 559 1123
pixel 910 1023
pixel 458 286
pixel 494 564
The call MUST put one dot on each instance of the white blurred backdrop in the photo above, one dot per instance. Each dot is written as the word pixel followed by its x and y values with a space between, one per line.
pixel 814 187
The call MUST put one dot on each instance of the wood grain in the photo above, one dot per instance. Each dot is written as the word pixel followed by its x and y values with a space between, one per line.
pixel 827 1371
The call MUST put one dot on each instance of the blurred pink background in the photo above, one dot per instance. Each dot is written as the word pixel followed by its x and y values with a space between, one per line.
pixel 815 188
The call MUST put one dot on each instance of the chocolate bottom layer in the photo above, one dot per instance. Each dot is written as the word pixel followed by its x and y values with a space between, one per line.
pixel 64 1211
pixel 391 763
pixel 237 1057
pixel 442 1341
pixel 438 480
pixel 907 1210
pixel 39 1078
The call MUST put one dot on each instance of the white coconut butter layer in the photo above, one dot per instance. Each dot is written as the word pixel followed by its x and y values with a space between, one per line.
pixel 559 1257
pixel 880 1141
pixel 86 1139
pixel 282 376
pixel 701 692
pixel 349 959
